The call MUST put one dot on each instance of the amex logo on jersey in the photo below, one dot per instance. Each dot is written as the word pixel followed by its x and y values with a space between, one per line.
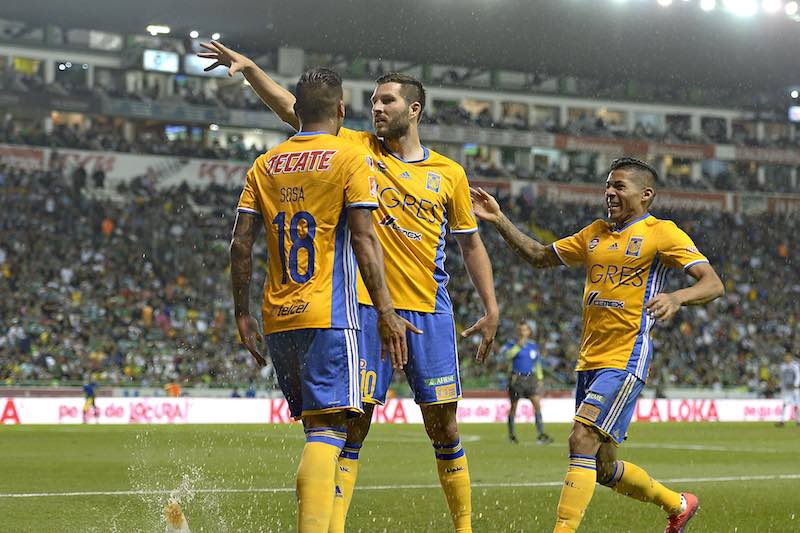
pixel 594 301
pixel 391 222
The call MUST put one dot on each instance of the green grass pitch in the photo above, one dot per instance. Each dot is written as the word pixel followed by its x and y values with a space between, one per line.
pixel 241 478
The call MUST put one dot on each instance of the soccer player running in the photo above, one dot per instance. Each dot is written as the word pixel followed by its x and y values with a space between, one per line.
pixel 789 374
pixel 525 379
pixel 422 194
pixel 313 195
pixel 626 261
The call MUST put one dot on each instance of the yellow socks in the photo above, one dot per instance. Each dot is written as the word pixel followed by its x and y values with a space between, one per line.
pixel 451 464
pixel 346 475
pixel 576 493
pixel 635 482
pixel 315 478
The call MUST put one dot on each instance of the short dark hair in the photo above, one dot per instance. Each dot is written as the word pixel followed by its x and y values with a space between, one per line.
pixel 645 174
pixel 318 93
pixel 410 87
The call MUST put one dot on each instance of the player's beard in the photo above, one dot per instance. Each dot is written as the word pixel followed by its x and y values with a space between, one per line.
pixel 395 129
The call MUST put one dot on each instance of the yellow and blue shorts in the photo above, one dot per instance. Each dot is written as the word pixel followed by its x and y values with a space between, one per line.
pixel 605 398
pixel 317 370
pixel 432 369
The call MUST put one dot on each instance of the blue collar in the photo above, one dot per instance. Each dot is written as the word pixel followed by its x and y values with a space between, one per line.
pixel 631 223
pixel 425 154
pixel 306 133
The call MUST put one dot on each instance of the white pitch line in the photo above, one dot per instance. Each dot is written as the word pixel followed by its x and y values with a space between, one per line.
pixel 273 490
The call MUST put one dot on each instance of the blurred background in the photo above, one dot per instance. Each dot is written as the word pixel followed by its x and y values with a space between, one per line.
pixel 121 162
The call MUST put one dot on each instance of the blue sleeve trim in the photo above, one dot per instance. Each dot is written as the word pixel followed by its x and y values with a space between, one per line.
pixel 368 205
pixel 693 263
pixel 248 211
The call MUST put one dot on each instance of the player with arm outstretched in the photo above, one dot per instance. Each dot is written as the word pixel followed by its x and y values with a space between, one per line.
pixel 627 259
pixel 313 194
pixel 525 379
pixel 422 195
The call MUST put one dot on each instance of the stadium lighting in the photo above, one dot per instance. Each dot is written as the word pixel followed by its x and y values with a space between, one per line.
pixel 665 3
pixel 795 94
pixel 771 6
pixel 213 127
pixel 216 36
pixel 708 5
pixel 156 29
pixel 62 66
pixel 792 8
pixel 742 8
pixel 194 34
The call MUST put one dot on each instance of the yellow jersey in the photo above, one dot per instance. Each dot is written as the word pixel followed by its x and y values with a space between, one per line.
pixel 419 202
pixel 302 189
pixel 625 268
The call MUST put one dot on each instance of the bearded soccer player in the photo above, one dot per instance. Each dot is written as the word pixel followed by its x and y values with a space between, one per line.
pixel 314 197
pixel 626 260
pixel 422 195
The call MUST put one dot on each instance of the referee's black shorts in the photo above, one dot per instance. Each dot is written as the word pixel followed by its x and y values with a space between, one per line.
pixel 523 386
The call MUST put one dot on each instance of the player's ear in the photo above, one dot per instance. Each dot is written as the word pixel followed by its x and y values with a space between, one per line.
pixel 341 109
pixel 648 195
pixel 414 110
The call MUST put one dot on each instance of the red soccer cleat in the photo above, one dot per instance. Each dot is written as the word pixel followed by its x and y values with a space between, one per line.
pixel 677 523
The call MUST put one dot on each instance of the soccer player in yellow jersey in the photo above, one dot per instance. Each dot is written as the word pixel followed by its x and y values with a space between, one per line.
pixel 626 259
pixel 422 195
pixel 314 194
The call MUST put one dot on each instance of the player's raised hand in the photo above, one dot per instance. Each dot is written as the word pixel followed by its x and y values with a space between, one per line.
pixel 250 335
pixel 484 205
pixel 225 57
pixel 392 329
pixel 487 327
pixel 663 306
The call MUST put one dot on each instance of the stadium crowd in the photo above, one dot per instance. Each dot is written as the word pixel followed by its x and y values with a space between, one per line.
pixel 135 291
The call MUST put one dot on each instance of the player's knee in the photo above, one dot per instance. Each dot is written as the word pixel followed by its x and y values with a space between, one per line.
pixel 358 428
pixel 441 425
pixel 583 440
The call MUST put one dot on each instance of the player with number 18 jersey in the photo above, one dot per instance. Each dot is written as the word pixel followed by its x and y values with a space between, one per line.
pixel 302 189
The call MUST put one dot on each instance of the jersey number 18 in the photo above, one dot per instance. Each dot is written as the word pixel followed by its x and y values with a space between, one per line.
pixel 305 242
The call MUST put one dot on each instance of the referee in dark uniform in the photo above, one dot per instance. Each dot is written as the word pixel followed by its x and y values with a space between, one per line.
pixel 525 379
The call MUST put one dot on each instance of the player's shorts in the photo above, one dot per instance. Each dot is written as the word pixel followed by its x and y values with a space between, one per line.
pixel 606 398
pixel 523 386
pixel 432 369
pixel 317 370
pixel 791 396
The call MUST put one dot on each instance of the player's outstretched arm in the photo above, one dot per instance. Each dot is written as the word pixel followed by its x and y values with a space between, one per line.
pixel 537 254
pixel 369 254
pixel 707 288
pixel 479 267
pixel 245 232
pixel 274 96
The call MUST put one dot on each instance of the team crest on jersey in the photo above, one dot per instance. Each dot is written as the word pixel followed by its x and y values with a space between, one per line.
pixel 434 182
pixel 593 243
pixel 634 246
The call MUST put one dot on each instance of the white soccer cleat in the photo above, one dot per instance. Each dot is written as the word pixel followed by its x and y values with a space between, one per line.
pixel 176 522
